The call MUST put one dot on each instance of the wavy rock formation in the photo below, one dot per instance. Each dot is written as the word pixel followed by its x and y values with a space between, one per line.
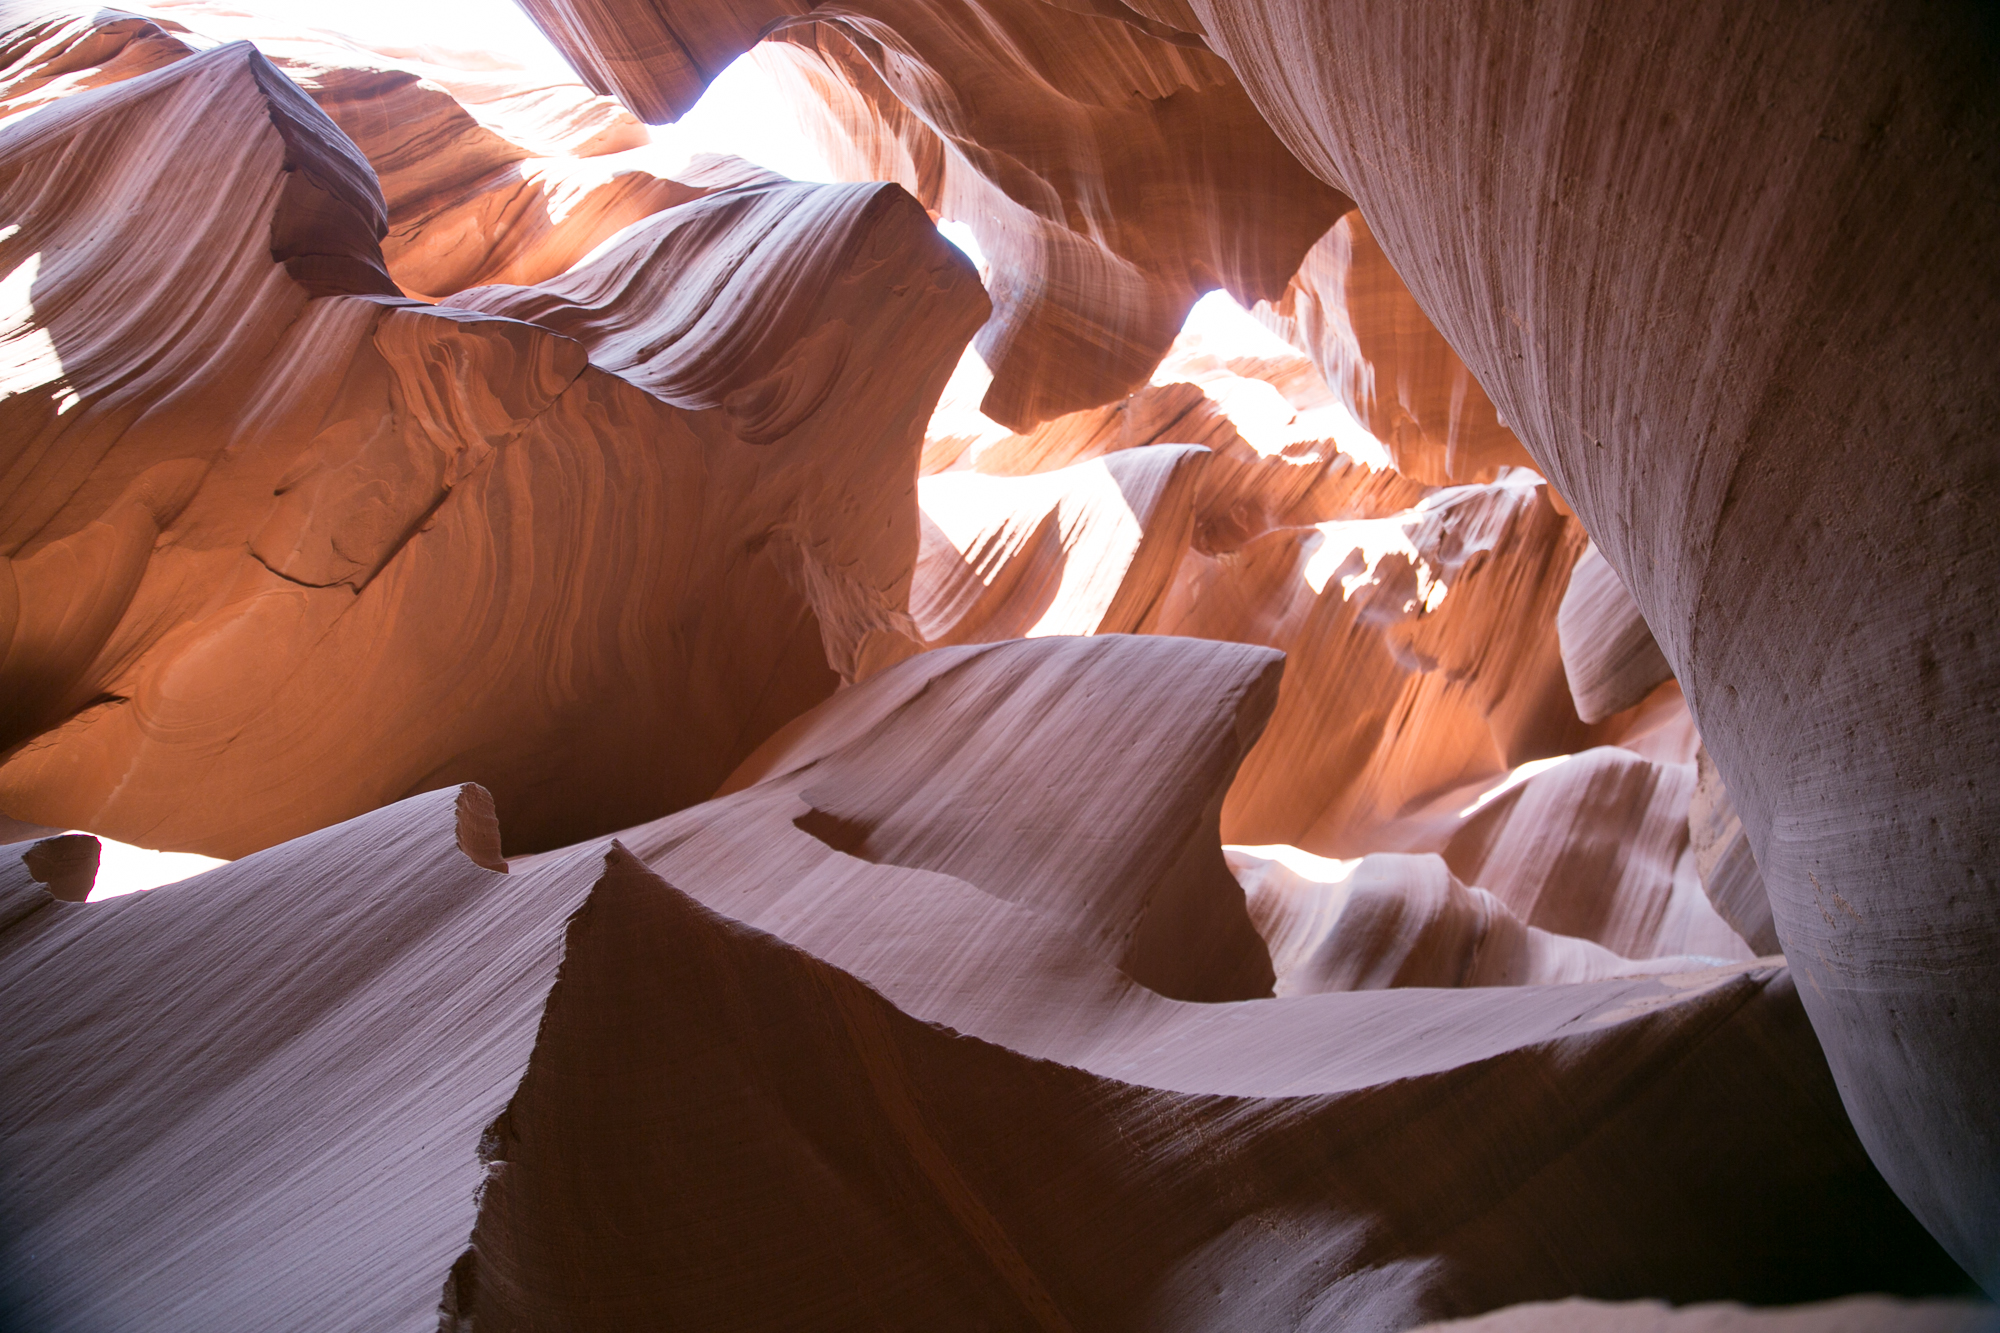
pixel 1700 326
pixel 1725 862
pixel 1608 653
pixel 1394 370
pixel 489 172
pixel 1703 325
pixel 284 554
pixel 920 988
pixel 1088 549
pixel 736 1072
pixel 1423 667
pixel 1597 846
pixel 1400 920
pixel 1421 657
pixel 1112 172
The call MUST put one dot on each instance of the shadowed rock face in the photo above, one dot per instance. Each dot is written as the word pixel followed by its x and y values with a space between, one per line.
pixel 297 548
pixel 1704 329
pixel 919 987
pixel 722 1071
pixel 1729 279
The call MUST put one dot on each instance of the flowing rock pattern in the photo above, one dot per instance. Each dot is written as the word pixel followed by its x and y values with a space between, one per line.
pixel 899 1082
pixel 308 555
pixel 1723 858
pixel 1390 365
pixel 489 173
pixel 1112 172
pixel 1769 393
pixel 1661 239
pixel 1608 652
pixel 1197 836
pixel 1860 1315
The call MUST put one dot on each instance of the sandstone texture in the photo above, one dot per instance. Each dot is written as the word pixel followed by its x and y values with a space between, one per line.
pixel 1111 176
pixel 1858 1315
pixel 306 546
pixel 1702 326
pixel 779 776
pixel 873 1026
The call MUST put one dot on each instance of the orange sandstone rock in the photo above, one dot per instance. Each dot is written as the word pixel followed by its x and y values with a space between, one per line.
pixel 1111 171
pixel 1394 370
pixel 286 553
pixel 490 173
pixel 721 1070
pixel 1732 286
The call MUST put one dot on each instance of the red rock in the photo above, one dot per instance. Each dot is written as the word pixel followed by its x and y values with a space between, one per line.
pixel 1705 326
pixel 1394 370
pixel 950 1010
pixel 1112 174
pixel 734 1073
pixel 280 559
pixel 490 174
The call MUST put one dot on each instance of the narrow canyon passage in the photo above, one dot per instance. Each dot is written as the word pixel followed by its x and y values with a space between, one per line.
pixel 999 664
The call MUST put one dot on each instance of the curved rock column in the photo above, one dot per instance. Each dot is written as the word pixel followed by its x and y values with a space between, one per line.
pixel 1730 276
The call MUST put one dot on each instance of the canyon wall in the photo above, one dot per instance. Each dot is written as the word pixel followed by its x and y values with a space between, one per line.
pixel 1462 788
pixel 1729 277
pixel 303 546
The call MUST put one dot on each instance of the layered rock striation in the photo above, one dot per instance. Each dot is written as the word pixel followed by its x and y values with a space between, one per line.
pixel 850 1041
pixel 1710 271
pixel 303 546
pixel 1111 830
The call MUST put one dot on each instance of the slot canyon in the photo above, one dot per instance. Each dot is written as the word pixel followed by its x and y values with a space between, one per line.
pixel 1261 665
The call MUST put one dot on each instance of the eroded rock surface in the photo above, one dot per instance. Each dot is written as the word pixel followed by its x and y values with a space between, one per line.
pixel 1112 171
pixel 302 547
pixel 489 172
pixel 1394 370
pixel 1703 328
pixel 1701 325
pixel 898 1081
pixel 949 1007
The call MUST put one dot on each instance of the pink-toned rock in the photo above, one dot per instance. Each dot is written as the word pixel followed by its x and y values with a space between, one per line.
pixel 1608 653
pixel 293 550
pixel 1111 171
pixel 65 865
pixel 721 1071
pixel 1403 920
pixel 1389 364
pixel 1862 1314
pixel 1088 549
pixel 490 173
pixel 1747 334
pixel 1723 858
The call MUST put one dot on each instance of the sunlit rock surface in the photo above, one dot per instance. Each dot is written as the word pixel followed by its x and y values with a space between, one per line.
pixel 490 172
pixel 859 1038
pixel 1703 326
pixel 1112 172
pixel 1732 289
pixel 1113 829
pixel 288 552
pixel 1347 308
